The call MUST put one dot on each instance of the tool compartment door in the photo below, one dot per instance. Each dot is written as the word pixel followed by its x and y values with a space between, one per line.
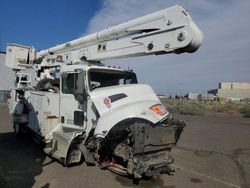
pixel 35 112
pixel 43 112
pixel 50 113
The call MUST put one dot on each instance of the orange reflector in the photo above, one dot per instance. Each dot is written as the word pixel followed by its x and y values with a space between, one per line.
pixel 158 109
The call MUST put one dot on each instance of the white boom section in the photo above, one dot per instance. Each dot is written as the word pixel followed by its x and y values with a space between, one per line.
pixel 167 31
pixel 170 30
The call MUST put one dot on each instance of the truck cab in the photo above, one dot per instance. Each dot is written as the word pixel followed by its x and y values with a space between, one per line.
pixel 105 110
pixel 96 91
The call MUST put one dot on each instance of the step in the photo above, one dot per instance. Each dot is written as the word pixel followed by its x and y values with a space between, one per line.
pixel 55 154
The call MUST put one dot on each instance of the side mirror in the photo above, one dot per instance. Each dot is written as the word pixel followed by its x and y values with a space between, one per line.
pixel 80 90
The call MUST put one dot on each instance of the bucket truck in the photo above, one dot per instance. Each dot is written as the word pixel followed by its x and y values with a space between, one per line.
pixel 83 110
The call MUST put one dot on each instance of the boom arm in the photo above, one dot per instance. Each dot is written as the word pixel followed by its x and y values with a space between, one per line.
pixel 167 31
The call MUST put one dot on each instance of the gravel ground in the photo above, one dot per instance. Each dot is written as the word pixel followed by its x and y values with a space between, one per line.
pixel 213 152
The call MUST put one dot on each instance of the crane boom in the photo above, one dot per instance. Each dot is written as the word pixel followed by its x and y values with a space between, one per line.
pixel 171 30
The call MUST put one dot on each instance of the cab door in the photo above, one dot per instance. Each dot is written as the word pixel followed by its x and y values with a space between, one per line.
pixel 72 113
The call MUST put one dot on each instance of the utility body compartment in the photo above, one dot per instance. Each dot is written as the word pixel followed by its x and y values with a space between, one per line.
pixel 43 112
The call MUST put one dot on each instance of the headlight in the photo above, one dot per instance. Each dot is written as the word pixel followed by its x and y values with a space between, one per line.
pixel 158 109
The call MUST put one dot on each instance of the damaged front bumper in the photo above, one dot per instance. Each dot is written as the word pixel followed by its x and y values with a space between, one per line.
pixel 152 146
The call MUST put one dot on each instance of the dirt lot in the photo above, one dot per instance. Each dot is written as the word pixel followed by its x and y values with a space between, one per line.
pixel 213 152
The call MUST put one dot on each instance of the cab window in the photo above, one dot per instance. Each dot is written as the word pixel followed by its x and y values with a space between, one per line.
pixel 105 78
pixel 68 83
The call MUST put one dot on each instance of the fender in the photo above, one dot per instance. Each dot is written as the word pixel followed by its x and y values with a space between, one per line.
pixel 77 153
pixel 139 110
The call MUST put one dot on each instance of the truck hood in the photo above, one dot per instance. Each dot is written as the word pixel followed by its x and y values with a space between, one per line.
pixel 112 98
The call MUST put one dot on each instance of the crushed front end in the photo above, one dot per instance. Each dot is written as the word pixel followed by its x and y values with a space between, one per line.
pixel 142 149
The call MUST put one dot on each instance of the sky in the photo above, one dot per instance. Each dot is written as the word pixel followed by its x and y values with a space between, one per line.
pixel 223 56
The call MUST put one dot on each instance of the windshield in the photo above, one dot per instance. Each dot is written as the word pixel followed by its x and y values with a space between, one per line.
pixel 104 78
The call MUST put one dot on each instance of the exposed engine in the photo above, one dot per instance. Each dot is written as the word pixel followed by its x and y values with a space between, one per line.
pixel 140 149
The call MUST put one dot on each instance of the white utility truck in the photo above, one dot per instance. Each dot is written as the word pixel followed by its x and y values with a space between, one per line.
pixel 82 109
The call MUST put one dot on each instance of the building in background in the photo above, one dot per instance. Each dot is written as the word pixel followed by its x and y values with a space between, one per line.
pixel 160 96
pixel 232 90
pixel 192 96
pixel 7 77
pixel 200 96
pixel 206 97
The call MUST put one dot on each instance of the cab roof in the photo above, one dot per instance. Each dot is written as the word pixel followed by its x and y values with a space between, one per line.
pixel 86 66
